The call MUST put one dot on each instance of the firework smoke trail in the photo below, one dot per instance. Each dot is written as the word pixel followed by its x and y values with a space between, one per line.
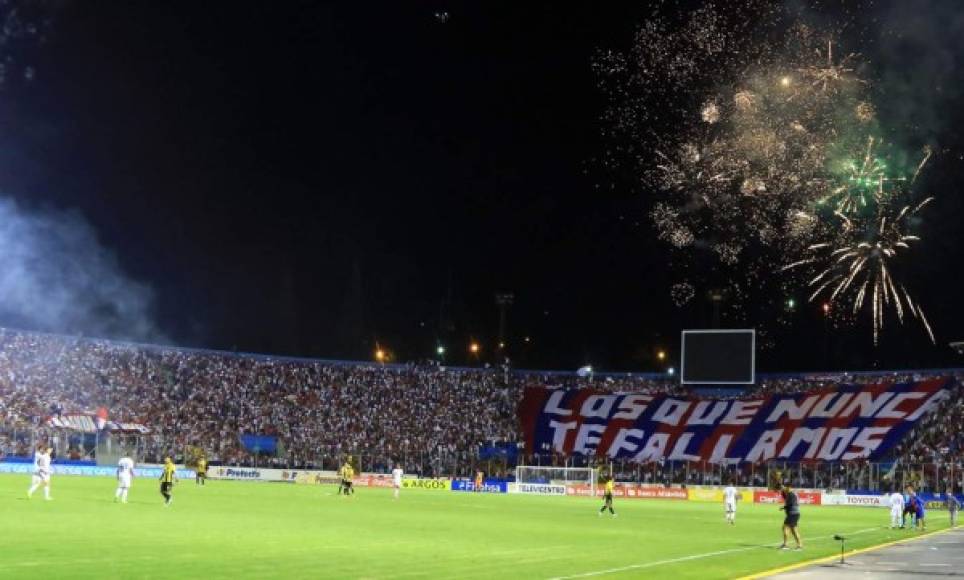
pixel 762 147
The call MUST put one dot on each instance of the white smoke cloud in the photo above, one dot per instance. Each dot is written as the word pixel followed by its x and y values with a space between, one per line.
pixel 56 276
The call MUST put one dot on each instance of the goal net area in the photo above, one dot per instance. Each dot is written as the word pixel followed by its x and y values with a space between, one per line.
pixel 534 475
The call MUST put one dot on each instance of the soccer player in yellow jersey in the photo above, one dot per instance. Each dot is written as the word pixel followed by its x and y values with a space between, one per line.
pixel 479 482
pixel 201 471
pixel 168 479
pixel 609 497
pixel 347 473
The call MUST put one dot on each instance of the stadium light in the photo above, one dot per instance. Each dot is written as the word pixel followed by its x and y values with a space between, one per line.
pixel 826 308
pixel 380 355
pixel 671 371
pixel 474 348
pixel 791 303
pixel 440 350
pixel 661 355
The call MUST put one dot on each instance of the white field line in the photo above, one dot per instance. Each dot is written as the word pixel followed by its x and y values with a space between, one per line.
pixel 685 559
pixel 191 556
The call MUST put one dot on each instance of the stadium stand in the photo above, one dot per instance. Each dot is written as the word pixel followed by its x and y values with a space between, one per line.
pixel 432 418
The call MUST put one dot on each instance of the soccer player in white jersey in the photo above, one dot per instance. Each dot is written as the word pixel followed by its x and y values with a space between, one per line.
pixel 397 479
pixel 730 495
pixel 41 471
pixel 125 475
pixel 896 510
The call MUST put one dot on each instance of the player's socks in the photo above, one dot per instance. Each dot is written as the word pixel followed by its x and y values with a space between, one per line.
pixel 46 493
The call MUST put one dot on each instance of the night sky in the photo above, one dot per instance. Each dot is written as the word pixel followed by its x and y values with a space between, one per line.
pixel 312 180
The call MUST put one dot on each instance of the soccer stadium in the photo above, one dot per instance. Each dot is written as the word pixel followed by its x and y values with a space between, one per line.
pixel 481 290
pixel 490 484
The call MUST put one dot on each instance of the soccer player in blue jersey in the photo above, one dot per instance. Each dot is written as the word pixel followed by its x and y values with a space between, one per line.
pixel 919 514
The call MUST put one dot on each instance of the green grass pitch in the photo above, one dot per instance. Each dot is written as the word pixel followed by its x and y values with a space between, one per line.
pixel 261 530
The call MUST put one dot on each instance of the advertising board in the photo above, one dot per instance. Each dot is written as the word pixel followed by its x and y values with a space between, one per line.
pixel 541 489
pixel 488 486
pixel 430 484
pixel 252 474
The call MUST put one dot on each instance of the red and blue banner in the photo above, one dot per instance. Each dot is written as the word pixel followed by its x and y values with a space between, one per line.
pixel 841 423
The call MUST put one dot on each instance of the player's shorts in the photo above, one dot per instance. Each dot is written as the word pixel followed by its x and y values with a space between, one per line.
pixel 397 484
pixel 730 506
pixel 791 520
pixel 166 487
pixel 919 515
pixel 124 482
pixel 608 497
pixel 41 476
pixel 909 510
pixel 202 474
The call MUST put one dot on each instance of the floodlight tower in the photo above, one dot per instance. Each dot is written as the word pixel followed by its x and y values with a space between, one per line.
pixel 503 300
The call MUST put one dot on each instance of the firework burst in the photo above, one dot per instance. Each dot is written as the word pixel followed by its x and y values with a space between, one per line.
pixel 827 75
pixel 861 268
pixel 760 145
pixel 865 182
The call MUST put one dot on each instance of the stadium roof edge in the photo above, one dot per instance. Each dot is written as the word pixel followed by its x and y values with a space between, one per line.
pixel 603 375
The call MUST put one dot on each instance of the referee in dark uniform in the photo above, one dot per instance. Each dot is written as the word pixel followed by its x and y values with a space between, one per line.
pixel 791 509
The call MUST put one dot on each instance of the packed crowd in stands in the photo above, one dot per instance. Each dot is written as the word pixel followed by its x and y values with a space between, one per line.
pixel 319 409
pixel 210 399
